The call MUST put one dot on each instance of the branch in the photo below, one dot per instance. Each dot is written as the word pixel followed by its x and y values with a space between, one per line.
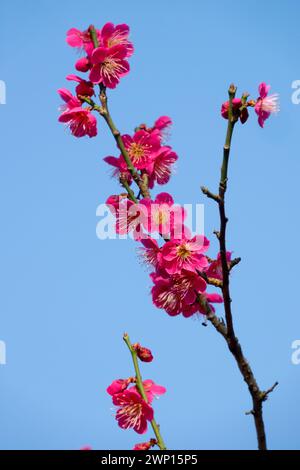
pixel 142 183
pixel 209 194
pixel 210 280
pixel 140 387
pixel 233 263
pixel 227 331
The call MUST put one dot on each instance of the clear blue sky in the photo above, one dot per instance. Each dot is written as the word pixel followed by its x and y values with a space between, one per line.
pixel 67 297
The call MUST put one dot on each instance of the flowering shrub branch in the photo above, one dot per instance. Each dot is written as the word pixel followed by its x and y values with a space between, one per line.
pixel 181 269
pixel 227 331
pixel 141 389
pixel 135 403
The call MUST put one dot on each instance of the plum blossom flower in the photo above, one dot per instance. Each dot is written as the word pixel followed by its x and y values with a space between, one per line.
pixel 141 148
pixel 82 39
pixel 215 268
pixel 177 294
pixel 160 127
pixel 133 411
pixel 129 216
pixel 84 87
pixel 116 35
pixel 118 386
pixel 80 120
pixel 153 390
pixel 185 254
pixel 150 252
pixel 70 100
pixel 109 65
pixel 83 64
pixel 161 169
pixel 236 105
pixel 163 215
pixel 266 105
pixel 120 168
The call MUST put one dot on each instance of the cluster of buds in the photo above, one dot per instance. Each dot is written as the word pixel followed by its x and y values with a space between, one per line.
pixel 264 106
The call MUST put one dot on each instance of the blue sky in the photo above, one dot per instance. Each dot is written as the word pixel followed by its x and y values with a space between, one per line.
pixel 67 297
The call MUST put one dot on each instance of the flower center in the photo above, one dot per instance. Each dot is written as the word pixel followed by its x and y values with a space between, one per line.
pixel 131 413
pixel 116 39
pixel 111 67
pixel 136 151
pixel 183 251
pixel 270 104
pixel 160 217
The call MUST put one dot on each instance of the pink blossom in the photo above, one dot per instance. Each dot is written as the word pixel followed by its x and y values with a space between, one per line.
pixel 116 35
pixel 162 123
pixel 163 215
pixel 215 268
pixel 133 411
pixel 185 254
pixel 80 121
pixel 70 100
pixel 118 386
pixel 84 88
pixel 265 105
pixel 86 448
pixel 119 168
pixel 141 148
pixel 177 294
pixel 161 169
pixel 83 64
pixel 160 126
pixel 236 105
pixel 81 39
pixel 153 390
pixel 109 65
pixel 129 216
pixel 151 252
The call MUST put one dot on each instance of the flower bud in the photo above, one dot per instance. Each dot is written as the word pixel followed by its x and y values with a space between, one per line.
pixel 144 354
pixel 83 65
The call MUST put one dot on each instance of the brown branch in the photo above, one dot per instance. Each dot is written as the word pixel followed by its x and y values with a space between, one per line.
pixel 209 194
pixel 210 280
pixel 233 263
pixel 227 331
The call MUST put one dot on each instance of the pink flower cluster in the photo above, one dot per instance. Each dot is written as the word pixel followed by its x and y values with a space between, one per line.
pixel 179 261
pixel 148 153
pixel 105 59
pixel 133 411
pixel 178 284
